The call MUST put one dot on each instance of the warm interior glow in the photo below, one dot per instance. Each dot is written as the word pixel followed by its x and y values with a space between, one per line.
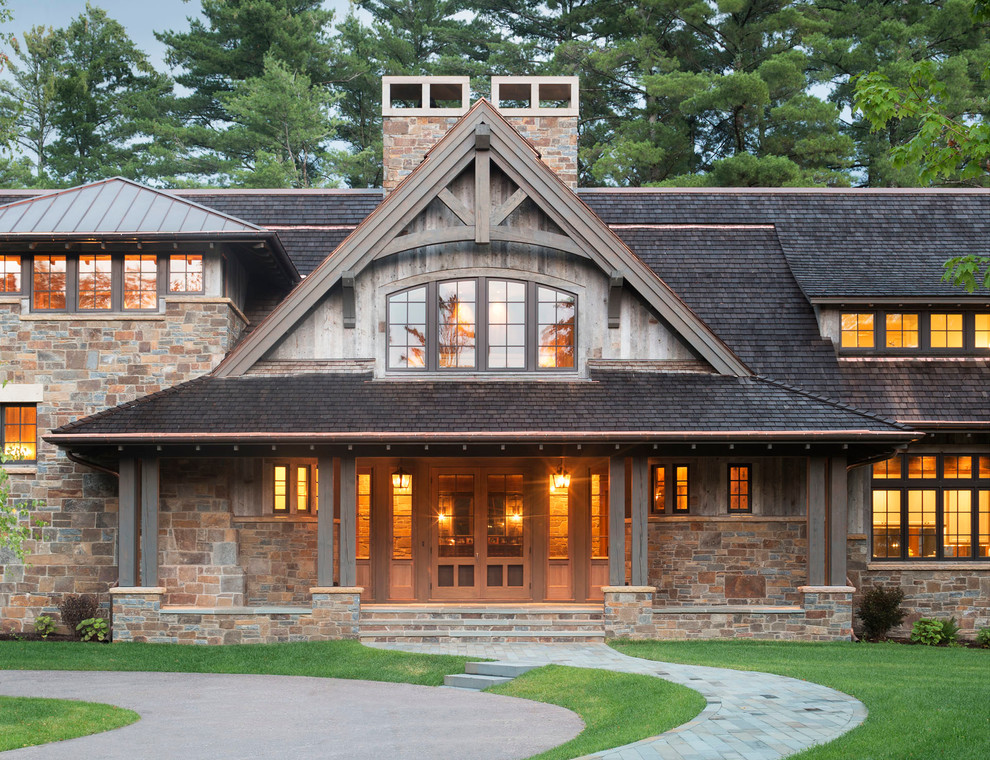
pixel 561 478
pixel 401 479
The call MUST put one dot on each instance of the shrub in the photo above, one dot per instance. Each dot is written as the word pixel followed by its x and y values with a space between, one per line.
pixel 880 611
pixel 983 638
pixel 93 628
pixel 950 631
pixel 75 609
pixel 927 631
pixel 44 625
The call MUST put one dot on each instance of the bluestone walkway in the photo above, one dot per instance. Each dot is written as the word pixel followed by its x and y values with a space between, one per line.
pixel 749 716
pixel 197 716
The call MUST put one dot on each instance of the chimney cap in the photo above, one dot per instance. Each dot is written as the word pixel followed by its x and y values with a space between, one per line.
pixel 544 96
pixel 425 96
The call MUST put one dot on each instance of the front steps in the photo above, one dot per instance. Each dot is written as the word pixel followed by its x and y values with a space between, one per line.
pixel 481 623
pixel 480 675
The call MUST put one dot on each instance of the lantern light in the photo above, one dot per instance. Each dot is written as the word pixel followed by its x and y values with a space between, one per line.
pixel 561 478
pixel 401 479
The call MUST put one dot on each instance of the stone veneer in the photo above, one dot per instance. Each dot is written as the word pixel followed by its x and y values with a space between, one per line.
pixel 736 561
pixel 940 590
pixel 138 615
pixel 556 138
pixel 87 365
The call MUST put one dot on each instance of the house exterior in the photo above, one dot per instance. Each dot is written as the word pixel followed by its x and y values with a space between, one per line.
pixel 484 402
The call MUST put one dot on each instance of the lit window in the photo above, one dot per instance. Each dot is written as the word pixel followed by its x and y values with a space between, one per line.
pixel 95 276
pixel 281 488
pixel 506 324
pixel 302 489
pixel 946 331
pixel 555 328
pixel 902 330
pixel 948 519
pixel 681 485
pixel 363 528
pixel 49 282
pixel 140 282
pixel 739 488
pixel 857 330
pixel 558 532
pixel 456 303
pixel 20 432
pixel 10 274
pixel 982 333
pixel 659 488
pixel 599 519
pixel 294 487
pixel 185 273
pixel 402 521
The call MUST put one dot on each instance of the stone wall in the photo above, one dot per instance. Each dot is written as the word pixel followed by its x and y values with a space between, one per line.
pixel 556 138
pixel 279 560
pixel 87 365
pixel 940 590
pixel 406 141
pixel 744 560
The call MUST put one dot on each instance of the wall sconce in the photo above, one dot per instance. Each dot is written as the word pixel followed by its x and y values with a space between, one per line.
pixel 401 479
pixel 561 478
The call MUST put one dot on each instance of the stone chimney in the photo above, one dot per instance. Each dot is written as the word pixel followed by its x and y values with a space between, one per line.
pixel 418 111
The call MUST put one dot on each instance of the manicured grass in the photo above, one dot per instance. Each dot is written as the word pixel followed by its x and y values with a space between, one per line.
pixel 617 708
pixel 25 721
pixel 924 702
pixel 326 659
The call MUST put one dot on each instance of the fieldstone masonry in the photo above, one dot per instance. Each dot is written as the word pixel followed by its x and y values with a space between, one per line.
pixel 629 611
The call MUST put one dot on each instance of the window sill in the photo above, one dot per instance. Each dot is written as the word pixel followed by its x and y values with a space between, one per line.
pixel 941 565
pixel 247 519
pixel 21 469
pixel 746 516
pixel 109 316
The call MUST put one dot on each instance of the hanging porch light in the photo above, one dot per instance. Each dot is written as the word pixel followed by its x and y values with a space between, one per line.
pixel 401 479
pixel 561 477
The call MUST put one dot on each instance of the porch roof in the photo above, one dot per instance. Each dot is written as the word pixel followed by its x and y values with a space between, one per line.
pixel 612 405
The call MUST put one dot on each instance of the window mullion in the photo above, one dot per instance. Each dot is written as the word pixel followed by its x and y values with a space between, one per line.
pixel 481 324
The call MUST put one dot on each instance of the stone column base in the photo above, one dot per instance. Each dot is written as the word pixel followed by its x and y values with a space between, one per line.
pixel 136 613
pixel 337 611
pixel 828 612
pixel 629 612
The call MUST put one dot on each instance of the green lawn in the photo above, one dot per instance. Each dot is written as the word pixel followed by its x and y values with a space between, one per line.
pixel 26 721
pixel 924 702
pixel 617 708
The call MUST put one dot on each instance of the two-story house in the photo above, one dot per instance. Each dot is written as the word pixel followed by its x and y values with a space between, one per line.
pixel 485 403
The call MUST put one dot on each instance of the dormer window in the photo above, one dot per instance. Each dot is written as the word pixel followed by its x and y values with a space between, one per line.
pixel 945 333
pixel 482 324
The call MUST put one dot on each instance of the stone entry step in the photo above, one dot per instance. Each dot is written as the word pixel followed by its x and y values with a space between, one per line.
pixel 481 675
pixel 476 623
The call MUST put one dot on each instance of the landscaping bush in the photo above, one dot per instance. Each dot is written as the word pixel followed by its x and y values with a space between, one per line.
pixel 950 631
pixel 75 609
pixel 44 626
pixel 880 611
pixel 927 631
pixel 983 638
pixel 93 628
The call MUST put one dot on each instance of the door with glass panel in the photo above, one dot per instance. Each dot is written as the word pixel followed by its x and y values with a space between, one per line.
pixel 480 542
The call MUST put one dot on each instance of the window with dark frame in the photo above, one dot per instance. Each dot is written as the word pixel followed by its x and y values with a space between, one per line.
pixel 857 330
pixel 10 274
pixel 671 484
pixel 185 273
pixel 483 324
pixel 19 432
pixel 294 487
pixel 898 333
pixel 931 507
pixel 740 488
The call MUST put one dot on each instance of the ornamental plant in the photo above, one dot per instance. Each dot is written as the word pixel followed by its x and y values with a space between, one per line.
pixel 93 628
pixel 983 637
pixel 44 625
pixel 75 609
pixel 880 610
pixel 950 632
pixel 927 631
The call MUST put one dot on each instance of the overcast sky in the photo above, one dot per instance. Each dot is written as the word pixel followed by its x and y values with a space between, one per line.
pixel 141 18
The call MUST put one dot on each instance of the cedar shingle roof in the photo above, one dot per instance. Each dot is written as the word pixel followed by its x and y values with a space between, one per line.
pixel 354 407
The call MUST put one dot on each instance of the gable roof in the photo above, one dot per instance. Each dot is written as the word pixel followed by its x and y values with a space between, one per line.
pixel 584 234
pixel 112 207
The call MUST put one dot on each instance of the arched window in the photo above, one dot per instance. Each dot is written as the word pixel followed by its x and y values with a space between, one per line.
pixel 482 324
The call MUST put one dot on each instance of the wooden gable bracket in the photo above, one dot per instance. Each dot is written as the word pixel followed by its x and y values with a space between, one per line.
pixel 350 313
pixel 615 283
pixel 482 184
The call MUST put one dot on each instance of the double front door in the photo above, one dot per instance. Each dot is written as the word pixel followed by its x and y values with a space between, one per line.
pixel 481 534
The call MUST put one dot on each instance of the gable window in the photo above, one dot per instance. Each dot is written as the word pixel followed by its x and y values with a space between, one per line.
pixel 857 330
pixel 931 507
pixel 10 274
pixel 19 433
pixel 185 273
pixel 485 324
pixel 740 488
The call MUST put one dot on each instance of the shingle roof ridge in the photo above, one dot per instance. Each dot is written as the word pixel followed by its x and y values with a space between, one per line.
pixel 830 401
pixel 787 190
pixel 110 411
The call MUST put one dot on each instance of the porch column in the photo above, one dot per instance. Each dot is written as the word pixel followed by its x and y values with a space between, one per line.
pixel 324 523
pixel 149 521
pixel 640 502
pixel 817 510
pixel 348 520
pixel 617 521
pixel 837 521
pixel 127 527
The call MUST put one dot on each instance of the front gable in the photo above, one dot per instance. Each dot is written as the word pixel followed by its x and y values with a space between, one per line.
pixel 482 200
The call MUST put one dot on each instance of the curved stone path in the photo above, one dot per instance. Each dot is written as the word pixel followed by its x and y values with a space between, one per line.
pixel 197 716
pixel 749 716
